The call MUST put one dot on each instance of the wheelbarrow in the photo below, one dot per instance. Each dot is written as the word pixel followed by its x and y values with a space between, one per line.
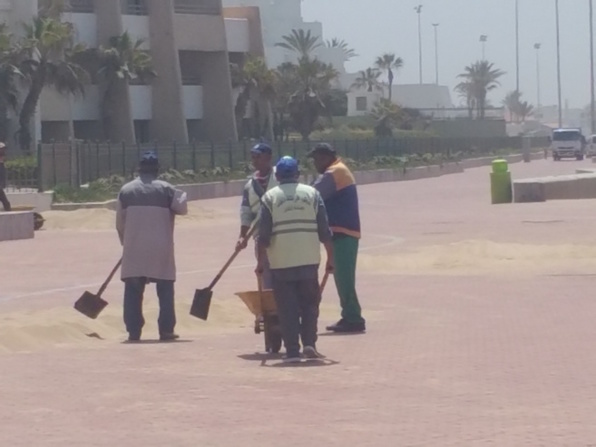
pixel 38 219
pixel 262 305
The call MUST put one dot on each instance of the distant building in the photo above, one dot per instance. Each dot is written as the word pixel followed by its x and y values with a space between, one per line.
pixel 432 98
pixel 191 42
pixel 279 18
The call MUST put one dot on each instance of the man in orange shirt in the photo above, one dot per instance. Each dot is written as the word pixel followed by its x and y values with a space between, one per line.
pixel 338 190
pixel 3 198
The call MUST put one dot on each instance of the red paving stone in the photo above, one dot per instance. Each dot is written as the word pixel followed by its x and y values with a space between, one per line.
pixel 458 360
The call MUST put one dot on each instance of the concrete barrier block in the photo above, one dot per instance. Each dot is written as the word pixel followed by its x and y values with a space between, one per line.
pixel 525 191
pixel 16 226
pixel 40 201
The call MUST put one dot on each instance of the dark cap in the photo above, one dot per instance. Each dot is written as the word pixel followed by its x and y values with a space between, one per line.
pixel 149 157
pixel 322 148
pixel 287 167
pixel 262 148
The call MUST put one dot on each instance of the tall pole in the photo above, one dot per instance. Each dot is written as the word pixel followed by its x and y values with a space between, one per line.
pixel 419 11
pixel 592 111
pixel 560 105
pixel 517 45
pixel 538 100
pixel 483 40
pixel 436 26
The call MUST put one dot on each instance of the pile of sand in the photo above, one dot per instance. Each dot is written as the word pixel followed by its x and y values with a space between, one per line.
pixel 27 331
pixel 104 219
pixel 482 256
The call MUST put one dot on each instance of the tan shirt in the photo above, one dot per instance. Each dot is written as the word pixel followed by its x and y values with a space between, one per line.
pixel 145 215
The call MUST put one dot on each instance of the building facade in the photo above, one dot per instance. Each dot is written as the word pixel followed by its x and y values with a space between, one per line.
pixel 191 43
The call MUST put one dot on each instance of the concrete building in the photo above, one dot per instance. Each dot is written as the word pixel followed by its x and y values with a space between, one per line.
pixel 279 18
pixel 191 43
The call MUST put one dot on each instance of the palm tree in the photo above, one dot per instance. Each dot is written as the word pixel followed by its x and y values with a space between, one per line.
pixel 512 102
pixel 300 92
pixel 300 42
pixel 482 78
pixel 9 76
pixel 525 110
pixel 387 115
pixel 348 52
pixel 369 79
pixel 121 63
pixel 388 62
pixel 48 61
pixel 257 82
pixel 464 91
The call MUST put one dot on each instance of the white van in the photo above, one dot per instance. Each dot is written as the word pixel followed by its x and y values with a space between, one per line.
pixel 568 143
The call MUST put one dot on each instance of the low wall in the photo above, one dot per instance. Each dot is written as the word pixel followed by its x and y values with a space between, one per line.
pixel 17 225
pixel 562 187
pixel 233 188
pixel 40 201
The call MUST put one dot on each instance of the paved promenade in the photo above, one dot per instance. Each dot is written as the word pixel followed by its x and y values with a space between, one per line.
pixel 481 333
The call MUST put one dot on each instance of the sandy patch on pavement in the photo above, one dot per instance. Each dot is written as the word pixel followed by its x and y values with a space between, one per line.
pixel 104 219
pixel 482 257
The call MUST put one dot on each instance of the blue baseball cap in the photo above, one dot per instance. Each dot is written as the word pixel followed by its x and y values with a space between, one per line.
pixel 287 167
pixel 149 157
pixel 262 148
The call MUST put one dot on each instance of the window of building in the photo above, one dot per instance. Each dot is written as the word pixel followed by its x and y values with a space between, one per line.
pixel 84 6
pixel 134 7
pixel 210 7
pixel 361 104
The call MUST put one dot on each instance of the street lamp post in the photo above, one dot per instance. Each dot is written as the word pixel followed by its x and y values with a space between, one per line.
pixel 483 40
pixel 559 65
pixel 436 26
pixel 418 9
pixel 517 45
pixel 592 111
pixel 538 104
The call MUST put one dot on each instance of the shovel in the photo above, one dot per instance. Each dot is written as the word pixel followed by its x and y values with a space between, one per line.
pixel 90 304
pixel 202 300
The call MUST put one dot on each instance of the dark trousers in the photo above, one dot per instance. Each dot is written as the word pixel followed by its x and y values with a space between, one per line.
pixel 298 311
pixel 134 288
pixel 4 200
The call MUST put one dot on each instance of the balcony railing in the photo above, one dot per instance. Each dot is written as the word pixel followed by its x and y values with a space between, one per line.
pixel 134 7
pixel 81 6
pixel 208 7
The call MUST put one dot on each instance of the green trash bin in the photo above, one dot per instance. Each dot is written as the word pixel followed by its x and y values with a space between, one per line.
pixel 501 189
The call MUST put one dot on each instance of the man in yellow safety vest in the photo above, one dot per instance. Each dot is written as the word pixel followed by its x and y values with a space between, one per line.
pixel 262 181
pixel 292 227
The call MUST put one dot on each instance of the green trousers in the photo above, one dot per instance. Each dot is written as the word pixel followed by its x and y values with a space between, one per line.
pixel 345 255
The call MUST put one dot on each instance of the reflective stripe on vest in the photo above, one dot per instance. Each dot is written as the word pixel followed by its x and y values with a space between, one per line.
pixel 295 238
pixel 253 198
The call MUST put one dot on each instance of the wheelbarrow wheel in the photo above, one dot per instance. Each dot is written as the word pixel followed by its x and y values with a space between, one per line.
pixel 38 221
pixel 273 340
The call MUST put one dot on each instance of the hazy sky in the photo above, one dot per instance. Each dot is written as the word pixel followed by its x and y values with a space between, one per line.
pixel 372 27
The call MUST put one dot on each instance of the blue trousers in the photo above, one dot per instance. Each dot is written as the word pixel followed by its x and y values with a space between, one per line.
pixel 134 288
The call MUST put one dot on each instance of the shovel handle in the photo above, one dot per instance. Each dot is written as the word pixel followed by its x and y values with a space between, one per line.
pixel 232 258
pixel 324 282
pixel 104 286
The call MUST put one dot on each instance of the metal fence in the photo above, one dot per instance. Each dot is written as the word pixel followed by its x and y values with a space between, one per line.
pixel 79 163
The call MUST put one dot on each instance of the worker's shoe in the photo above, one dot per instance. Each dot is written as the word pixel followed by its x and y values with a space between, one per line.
pixel 310 353
pixel 134 337
pixel 168 336
pixel 348 327
pixel 291 358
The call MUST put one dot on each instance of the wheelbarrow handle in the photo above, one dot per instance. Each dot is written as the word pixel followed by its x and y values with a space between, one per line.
pixel 104 286
pixel 232 258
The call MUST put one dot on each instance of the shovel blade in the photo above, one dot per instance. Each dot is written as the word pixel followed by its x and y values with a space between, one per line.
pixel 201 304
pixel 90 305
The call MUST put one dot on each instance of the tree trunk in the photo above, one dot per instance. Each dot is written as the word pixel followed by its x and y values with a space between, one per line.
pixel 240 110
pixel 28 112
